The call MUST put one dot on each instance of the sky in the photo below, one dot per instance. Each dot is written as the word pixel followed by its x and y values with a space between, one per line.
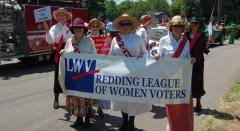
pixel 119 1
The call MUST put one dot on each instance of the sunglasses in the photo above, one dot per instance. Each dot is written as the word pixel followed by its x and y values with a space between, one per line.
pixel 178 26
pixel 125 24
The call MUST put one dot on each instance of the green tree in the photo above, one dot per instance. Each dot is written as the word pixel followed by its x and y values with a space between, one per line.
pixel 96 8
pixel 125 6
pixel 158 5
pixel 111 9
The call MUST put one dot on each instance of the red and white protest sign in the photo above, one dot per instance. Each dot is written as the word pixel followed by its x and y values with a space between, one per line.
pixel 103 44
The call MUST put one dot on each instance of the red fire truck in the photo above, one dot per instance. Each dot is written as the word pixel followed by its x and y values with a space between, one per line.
pixel 21 37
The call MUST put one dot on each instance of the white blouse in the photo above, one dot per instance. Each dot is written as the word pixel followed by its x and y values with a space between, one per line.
pixel 142 32
pixel 168 45
pixel 133 43
pixel 86 46
pixel 55 33
pixel 136 47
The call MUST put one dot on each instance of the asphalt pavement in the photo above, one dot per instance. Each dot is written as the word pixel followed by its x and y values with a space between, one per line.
pixel 26 96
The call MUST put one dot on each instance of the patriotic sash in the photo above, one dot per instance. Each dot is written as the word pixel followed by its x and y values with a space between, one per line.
pixel 180 48
pixel 122 46
pixel 75 47
pixel 194 40
pixel 57 47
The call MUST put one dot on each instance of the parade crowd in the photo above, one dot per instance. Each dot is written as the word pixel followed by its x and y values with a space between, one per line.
pixel 132 40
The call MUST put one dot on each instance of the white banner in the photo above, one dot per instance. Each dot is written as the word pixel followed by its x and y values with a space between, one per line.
pixel 167 81
pixel 42 14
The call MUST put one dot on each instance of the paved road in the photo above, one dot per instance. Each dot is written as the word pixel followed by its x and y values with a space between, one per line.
pixel 26 96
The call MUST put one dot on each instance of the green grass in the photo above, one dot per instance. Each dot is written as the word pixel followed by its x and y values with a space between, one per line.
pixel 226 114
pixel 233 93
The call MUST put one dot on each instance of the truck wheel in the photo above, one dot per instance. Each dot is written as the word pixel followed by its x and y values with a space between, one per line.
pixel 40 58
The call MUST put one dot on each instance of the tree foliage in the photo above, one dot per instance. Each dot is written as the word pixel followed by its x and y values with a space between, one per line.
pixel 229 9
pixel 96 8
pixel 140 7
pixel 111 9
pixel 188 7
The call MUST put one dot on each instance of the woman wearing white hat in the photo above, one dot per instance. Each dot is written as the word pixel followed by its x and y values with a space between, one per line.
pixel 176 45
pixel 57 35
pixel 128 44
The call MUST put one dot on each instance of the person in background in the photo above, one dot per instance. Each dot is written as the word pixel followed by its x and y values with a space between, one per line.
pixel 94 27
pixel 198 46
pixel 232 33
pixel 146 21
pixel 57 35
pixel 128 44
pixel 223 29
pixel 176 45
pixel 79 43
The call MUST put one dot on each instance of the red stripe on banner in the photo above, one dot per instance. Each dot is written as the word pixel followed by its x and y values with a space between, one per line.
pixel 78 76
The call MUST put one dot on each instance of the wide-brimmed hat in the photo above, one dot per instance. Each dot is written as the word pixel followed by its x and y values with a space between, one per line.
pixel 194 20
pixel 125 17
pixel 78 23
pixel 99 23
pixel 146 20
pixel 61 10
pixel 177 20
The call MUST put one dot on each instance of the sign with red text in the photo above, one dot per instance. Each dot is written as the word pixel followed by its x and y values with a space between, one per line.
pixel 102 44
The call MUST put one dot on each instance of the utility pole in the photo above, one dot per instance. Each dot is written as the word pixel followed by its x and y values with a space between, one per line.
pixel 218 15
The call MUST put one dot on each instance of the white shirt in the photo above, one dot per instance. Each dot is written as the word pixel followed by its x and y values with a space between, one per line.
pixel 55 33
pixel 86 46
pixel 143 33
pixel 133 43
pixel 168 45
pixel 136 47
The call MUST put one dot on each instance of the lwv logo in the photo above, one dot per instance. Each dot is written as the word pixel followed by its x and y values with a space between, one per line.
pixel 79 74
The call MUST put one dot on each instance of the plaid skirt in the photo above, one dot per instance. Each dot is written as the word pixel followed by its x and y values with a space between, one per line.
pixel 79 106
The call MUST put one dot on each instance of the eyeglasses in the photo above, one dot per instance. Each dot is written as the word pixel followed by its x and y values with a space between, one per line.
pixel 125 24
pixel 178 26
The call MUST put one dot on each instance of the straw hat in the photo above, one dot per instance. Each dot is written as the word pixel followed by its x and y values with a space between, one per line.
pixel 99 23
pixel 146 20
pixel 61 10
pixel 125 17
pixel 78 23
pixel 177 20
